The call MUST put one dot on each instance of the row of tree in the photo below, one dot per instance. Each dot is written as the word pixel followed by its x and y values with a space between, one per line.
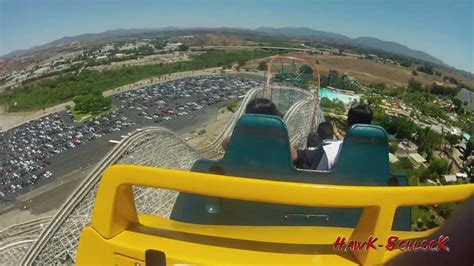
pixel 49 92
pixel 426 99
pixel 92 103
pixel 426 139
pixel 343 81
pixel 336 106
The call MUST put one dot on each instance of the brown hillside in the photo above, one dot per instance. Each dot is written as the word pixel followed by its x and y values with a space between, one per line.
pixel 369 71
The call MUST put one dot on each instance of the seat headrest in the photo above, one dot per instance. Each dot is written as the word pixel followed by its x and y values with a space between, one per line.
pixel 259 143
pixel 365 152
pixel 367 134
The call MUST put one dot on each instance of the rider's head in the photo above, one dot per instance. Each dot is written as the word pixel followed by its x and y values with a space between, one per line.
pixel 325 131
pixel 359 114
pixel 262 106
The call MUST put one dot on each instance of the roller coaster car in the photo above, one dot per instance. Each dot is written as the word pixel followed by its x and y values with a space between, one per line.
pixel 260 148
pixel 242 212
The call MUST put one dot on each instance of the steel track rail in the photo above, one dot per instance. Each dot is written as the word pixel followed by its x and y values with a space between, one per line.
pixel 82 190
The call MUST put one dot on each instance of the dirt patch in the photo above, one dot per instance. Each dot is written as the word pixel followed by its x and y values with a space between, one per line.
pixel 20 216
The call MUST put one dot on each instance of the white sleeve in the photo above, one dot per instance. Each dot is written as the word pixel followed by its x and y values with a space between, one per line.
pixel 331 153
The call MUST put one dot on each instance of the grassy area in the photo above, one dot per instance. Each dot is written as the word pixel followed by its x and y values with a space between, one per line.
pixel 80 117
pixel 270 40
pixel 249 75
pixel 50 92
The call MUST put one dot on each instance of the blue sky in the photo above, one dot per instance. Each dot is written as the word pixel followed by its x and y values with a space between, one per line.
pixel 442 28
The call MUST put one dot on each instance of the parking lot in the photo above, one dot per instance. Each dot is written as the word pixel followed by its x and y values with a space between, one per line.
pixel 27 151
pixel 41 150
pixel 180 97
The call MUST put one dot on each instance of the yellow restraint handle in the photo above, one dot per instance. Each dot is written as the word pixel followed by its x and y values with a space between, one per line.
pixel 114 209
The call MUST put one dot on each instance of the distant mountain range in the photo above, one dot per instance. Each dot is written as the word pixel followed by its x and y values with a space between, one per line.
pixel 301 32
pixel 367 42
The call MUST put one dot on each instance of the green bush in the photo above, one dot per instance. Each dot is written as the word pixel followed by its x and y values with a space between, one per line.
pixel 335 105
pixel 91 103
pixel 231 105
pixel 439 167
pixel 393 147
pixel 262 66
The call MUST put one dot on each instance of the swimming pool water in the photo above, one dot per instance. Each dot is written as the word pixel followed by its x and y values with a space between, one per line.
pixel 345 98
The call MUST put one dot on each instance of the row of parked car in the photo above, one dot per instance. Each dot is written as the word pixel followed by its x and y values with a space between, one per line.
pixel 181 97
pixel 26 151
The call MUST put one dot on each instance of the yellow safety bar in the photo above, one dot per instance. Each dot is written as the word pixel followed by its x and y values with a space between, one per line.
pixel 115 213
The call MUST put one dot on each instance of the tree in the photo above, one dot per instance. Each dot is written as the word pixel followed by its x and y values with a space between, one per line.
pixel 405 128
pixel 457 104
pixel 414 73
pixel 469 169
pixel 442 90
pixel 183 48
pixel 400 127
pixel 452 139
pixel 336 105
pixel 405 64
pixel 92 103
pixel 439 167
pixel 469 148
pixel 306 69
pixel 380 87
pixel 402 165
pixel 231 105
pixel 393 147
pixel 262 66
pixel 306 85
pixel 306 73
pixel 452 80
pixel 414 85
pixel 427 140
pixel 426 68
pixel 405 166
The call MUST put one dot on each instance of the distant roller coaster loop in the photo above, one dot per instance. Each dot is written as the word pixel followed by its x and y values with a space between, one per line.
pixel 304 61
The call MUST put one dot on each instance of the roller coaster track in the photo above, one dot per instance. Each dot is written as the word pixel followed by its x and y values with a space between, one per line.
pixel 298 134
pixel 215 148
pixel 17 238
pixel 120 150
pixel 22 232
pixel 19 228
pixel 82 189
